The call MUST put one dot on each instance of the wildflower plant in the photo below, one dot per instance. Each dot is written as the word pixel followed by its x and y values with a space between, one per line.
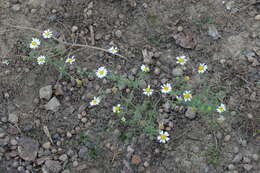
pixel 137 105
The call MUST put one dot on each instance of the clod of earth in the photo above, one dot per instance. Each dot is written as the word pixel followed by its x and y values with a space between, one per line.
pixel 185 40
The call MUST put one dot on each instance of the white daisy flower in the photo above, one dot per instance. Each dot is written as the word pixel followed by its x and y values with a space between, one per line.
pixel 101 72
pixel 41 60
pixel 221 119
pixel 47 34
pixel 95 101
pixel 113 50
pixel 221 108
pixel 70 60
pixel 181 60
pixel 163 137
pixel 187 96
pixel 117 108
pixel 35 43
pixel 166 88
pixel 148 91
pixel 202 68
pixel 145 68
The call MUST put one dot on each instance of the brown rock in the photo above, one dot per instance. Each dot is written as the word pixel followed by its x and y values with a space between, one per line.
pixel 136 160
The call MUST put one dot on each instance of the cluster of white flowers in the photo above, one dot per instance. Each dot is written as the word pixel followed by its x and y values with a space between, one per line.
pixel 182 60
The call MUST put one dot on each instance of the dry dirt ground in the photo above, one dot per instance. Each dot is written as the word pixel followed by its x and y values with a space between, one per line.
pixel 223 34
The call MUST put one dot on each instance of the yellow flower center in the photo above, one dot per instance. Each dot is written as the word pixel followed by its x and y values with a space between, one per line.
pixel 187 95
pixel 117 108
pixel 221 108
pixel 148 90
pixel 69 59
pixel 94 102
pixel 146 69
pixel 114 50
pixel 201 67
pixel 166 88
pixel 101 72
pixel 34 43
pixel 163 137
pixel 41 59
pixel 181 59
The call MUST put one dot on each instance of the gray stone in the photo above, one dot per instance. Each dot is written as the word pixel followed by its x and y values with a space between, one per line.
pixel 231 167
pixel 28 148
pixel 118 33
pixel 13 117
pixel 213 32
pixel 63 157
pixel 190 113
pixel 246 160
pixel 177 72
pixel 52 166
pixel 66 171
pixel 46 92
pixel 53 105
pixel 83 153
pixel 237 158
pixel 74 28
pixel 247 167
pixel 255 157
pixel 37 3
pixel 16 7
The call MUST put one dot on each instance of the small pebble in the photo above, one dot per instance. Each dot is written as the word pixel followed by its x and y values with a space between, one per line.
pixel 231 167
pixel 74 28
pixel 157 71
pixel 246 160
pixel 227 138
pixel 247 167
pixel 75 163
pixel 180 28
pixel 63 157
pixel 13 142
pixel 255 157
pixel 69 135
pixel 84 120
pixel 257 17
pixel 46 145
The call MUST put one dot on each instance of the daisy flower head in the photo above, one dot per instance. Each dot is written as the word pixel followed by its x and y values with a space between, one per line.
pixel 148 91
pixel 202 68
pixel 101 72
pixel 123 119
pixel 35 43
pixel 163 137
pixel 95 101
pixel 187 96
pixel 117 108
pixel 145 68
pixel 113 50
pixel 221 119
pixel 166 88
pixel 70 60
pixel 221 108
pixel 41 60
pixel 181 60
pixel 47 34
